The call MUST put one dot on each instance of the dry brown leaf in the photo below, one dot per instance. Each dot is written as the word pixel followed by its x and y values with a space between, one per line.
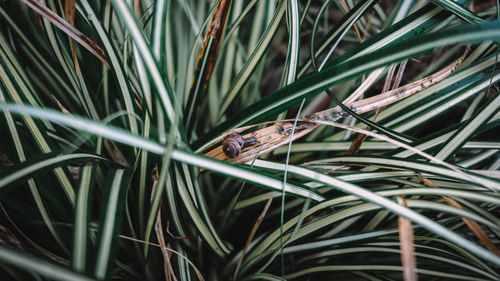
pixel 253 231
pixel 67 28
pixel 137 8
pixel 472 225
pixel 69 12
pixel 206 60
pixel 408 260
pixel 167 265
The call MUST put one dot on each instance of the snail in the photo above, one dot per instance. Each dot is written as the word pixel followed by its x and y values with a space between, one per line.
pixel 233 143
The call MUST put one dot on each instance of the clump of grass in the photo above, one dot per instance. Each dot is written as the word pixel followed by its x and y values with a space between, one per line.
pixel 109 111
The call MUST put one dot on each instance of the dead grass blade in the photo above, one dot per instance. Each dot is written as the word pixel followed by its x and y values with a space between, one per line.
pixel 196 270
pixel 360 139
pixel 472 225
pixel 278 134
pixel 206 61
pixel 167 265
pixel 252 233
pixel 408 260
pixel 69 13
pixel 67 28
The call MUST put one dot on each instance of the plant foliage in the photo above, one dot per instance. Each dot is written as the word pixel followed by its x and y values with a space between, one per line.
pixel 108 110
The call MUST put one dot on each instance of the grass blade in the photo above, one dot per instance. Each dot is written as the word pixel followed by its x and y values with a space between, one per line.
pixel 111 221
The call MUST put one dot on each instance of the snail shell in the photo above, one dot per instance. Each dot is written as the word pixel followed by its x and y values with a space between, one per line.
pixel 233 143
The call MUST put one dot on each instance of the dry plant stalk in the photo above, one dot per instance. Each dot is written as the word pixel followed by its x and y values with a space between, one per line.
pixel 406 244
pixel 167 265
pixel 279 132
pixel 471 224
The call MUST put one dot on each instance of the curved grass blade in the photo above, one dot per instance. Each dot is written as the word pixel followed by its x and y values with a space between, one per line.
pixel 40 60
pixel 459 10
pixel 160 178
pixel 340 215
pixel 418 22
pixel 383 202
pixel 125 137
pixel 204 227
pixel 435 101
pixel 415 166
pixel 339 31
pixel 388 248
pixel 47 162
pixel 144 168
pixel 408 191
pixel 18 75
pixel 438 138
pixel 468 128
pixel 62 56
pixel 371 268
pixel 471 224
pixel 40 266
pixel 200 82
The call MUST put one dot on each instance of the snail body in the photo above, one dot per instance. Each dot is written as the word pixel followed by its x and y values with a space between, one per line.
pixel 233 143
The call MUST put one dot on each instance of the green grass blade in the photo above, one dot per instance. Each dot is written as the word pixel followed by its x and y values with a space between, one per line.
pixel 164 89
pixel 459 10
pixel 111 221
pixel 83 207
pixel 467 129
pixel 47 162
pixel 292 56
pixel 254 58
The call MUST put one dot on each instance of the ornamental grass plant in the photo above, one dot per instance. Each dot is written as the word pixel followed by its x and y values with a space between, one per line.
pixel 375 150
